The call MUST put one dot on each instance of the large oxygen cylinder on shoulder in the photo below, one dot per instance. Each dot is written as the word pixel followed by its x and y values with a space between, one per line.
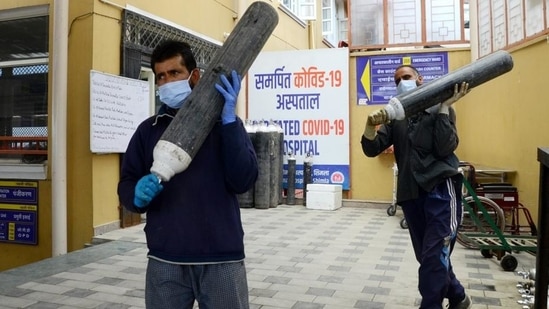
pixel 193 122
pixel 441 89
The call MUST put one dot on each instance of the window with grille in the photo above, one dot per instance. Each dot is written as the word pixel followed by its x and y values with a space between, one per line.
pixel 333 15
pixel 291 4
pixel 502 24
pixel 24 84
pixel 304 9
pixel 328 20
pixel 142 34
pixel 384 23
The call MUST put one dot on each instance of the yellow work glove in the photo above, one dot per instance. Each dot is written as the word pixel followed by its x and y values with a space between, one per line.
pixel 459 92
pixel 375 118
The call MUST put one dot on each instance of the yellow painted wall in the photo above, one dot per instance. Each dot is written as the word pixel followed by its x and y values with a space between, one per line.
pixel 208 17
pixel 12 4
pixel 105 39
pixel 504 122
pixel 288 35
pixel 79 159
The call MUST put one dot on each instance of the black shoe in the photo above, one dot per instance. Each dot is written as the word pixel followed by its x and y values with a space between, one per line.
pixel 466 303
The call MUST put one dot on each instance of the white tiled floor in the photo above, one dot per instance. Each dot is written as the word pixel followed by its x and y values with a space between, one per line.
pixel 353 257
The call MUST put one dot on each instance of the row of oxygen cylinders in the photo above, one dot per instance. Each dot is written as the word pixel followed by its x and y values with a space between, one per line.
pixel 527 289
pixel 268 141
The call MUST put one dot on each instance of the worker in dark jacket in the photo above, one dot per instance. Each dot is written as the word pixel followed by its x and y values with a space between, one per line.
pixel 194 230
pixel 428 186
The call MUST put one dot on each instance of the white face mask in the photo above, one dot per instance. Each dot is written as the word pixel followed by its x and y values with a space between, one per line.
pixel 406 85
pixel 174 93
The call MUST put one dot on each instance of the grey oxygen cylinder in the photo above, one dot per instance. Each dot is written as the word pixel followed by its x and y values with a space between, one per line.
pixel 262 188
pixel 246 199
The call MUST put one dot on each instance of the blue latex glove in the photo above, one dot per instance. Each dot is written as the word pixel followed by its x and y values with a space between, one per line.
pixel 230 93
pixel 146 189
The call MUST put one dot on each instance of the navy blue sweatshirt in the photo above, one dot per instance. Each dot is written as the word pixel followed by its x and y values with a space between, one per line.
pixel 195 219
pixel 424 150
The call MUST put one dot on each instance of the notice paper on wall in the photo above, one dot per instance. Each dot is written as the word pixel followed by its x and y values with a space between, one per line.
pixel 117 106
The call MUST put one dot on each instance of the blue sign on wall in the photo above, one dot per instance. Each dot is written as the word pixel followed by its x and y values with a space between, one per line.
pixel 375 74
pixel 19 212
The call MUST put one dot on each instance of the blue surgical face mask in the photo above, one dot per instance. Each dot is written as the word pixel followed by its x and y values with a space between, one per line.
pixel 406 85
pixel 174 93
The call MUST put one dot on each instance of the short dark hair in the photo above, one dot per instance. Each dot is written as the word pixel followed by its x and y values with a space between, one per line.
pixel 171 48
pixel 408 66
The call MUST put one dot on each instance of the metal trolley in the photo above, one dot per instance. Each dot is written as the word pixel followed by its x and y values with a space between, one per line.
pixel 491 227
pixel 391 210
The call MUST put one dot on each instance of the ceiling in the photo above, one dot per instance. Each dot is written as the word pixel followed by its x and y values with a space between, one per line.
pixel 25 38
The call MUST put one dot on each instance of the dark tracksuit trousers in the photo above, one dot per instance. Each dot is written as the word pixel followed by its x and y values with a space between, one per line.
pixel 433 220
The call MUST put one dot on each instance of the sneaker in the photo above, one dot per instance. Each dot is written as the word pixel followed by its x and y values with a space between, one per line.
pixel 466 303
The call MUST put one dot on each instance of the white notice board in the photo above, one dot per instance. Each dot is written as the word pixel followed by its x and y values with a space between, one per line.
pixel 117 106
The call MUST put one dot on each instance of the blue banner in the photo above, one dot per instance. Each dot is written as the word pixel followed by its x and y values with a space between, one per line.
pixel 19 212
pixel 375 74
